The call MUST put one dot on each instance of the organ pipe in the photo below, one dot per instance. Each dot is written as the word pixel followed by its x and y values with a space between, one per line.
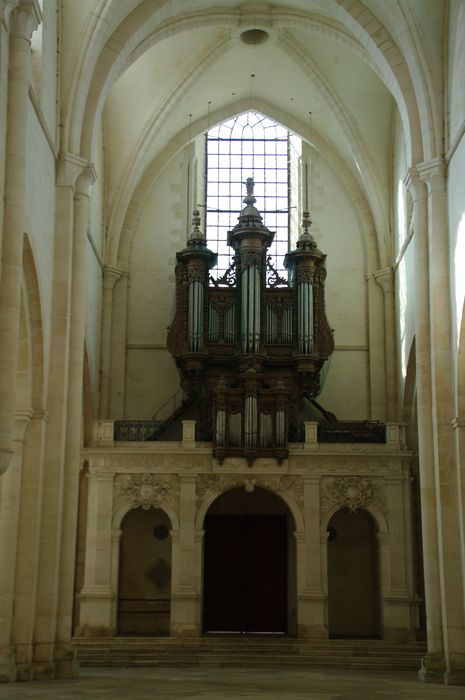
pixel 235 430
pixel 305 317
pixel 266 430
pixel 220 436
pixel 250 311
pixel 280 428
pixel 213 324
pixel 251 421
pixel 195 316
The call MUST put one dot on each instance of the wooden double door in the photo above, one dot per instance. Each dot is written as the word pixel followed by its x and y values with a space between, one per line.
pixel 245 574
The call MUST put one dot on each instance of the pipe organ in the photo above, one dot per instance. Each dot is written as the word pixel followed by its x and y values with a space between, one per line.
pixel 250 344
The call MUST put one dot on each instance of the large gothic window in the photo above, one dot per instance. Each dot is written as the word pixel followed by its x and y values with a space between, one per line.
pixel 249 145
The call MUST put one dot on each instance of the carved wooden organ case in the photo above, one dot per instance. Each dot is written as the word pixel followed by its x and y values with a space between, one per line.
pixel 250 345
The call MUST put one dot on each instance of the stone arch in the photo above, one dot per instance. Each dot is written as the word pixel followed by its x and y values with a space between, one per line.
pixel 33 309
pixel 106 63
pixel 24 372
pixel 250 559
pixel 128 210
pixel 354 574
pixel 144 561
pixel 409 412
pixel 121 513
pixel 367 169
pixel 214 493
pixel 370 508
pixel 87 403
pixel 460 389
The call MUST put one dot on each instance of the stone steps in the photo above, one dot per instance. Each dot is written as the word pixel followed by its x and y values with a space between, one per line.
pixel 248 652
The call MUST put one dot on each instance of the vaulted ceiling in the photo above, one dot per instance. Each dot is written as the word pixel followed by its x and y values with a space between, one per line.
pixel 150 64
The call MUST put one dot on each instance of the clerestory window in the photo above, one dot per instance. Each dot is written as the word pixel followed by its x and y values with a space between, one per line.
pixel 249 145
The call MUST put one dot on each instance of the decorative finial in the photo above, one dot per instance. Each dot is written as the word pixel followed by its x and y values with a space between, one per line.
pixel 196 223
pixel 249 199
pixel 197 236
pixel 306 222
pixel 306 239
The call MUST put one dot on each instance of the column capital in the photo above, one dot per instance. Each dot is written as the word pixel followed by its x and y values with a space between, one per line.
pixel 457 423
pixel 385 278
pixel 433 173
pixel 414 184
pixel 85 180
pixel 69 167
pixel 23 18
pixel 22 419
pixel 101 476
pixel 187 479
pixel 110 276
pixel 116 535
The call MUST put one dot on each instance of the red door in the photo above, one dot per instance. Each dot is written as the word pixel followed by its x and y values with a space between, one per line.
pixel 245 574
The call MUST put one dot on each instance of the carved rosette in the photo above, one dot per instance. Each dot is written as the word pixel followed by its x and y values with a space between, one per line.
pixel 352 492
pixel 290 485
pixel 146 491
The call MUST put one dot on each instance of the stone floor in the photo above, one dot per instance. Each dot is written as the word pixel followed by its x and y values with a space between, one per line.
pixel 237 683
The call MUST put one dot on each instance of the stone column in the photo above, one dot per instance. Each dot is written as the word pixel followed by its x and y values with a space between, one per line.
pixel 97 595
pixel 185 594
pixel 433 663
pixel 377 350
pixel 110 276
pixel 311 598
pixel 398 594
pixel 448 479
pixel 69 168
pixel 63 653
pixel 385 279
pixel 114 581
pixel 23 20
pixel 118 348
pixel 28 545
pixel 9 519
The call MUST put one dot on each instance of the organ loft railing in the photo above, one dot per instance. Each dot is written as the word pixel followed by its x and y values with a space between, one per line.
pixel 250 345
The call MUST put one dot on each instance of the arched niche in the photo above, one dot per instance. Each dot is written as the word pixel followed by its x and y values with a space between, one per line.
pixel 144 581
pixel 353 575
pixel 249 564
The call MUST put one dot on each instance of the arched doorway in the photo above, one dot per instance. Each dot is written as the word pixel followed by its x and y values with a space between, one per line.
pixel 144 595
pixel 353 576
pixel 249 565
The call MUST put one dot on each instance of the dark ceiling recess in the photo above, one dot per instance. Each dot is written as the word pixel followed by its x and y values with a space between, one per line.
pixel 254 36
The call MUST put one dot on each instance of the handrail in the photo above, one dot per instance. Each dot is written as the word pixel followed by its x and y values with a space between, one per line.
pixel 172 398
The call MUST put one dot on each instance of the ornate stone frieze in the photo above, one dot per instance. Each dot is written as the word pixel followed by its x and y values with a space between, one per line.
pixel 352 492
pixel 162 460
pixel 292 485
pixel 356 463
pixel 146 490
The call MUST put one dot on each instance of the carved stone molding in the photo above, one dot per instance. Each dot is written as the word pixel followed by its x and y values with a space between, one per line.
pixel 292 485
pixel 162 460
pixel 146 490
pixel 352 492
